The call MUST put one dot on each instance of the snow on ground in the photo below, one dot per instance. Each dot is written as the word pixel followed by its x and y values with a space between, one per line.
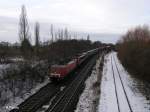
pixel 122 99
pixel 88 98
pixel 107 97
pixel 17 100
pixel 107 103
pixel 3 67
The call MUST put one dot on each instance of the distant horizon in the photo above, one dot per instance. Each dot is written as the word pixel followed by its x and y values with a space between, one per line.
pixel 104 38
pixel 45 32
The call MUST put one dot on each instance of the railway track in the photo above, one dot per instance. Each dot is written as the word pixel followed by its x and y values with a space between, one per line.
pixel 122 99
pixel 38 99
pixel 53 91
pixel 64 102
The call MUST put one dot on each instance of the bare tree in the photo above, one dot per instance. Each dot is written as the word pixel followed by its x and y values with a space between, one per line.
pixel 66 34
pixel 24 34
pixel 62 34
pixel 37 37
pixel 52 33
pixel 24 27
pixel 88 37
pixel 59 34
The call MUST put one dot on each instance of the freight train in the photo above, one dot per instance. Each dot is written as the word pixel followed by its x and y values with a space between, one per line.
pixel 59 72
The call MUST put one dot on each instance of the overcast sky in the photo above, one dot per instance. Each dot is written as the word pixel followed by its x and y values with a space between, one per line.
pixel 91 16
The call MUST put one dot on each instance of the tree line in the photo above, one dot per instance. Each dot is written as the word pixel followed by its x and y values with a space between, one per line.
pixel 60 41
pixel 134 52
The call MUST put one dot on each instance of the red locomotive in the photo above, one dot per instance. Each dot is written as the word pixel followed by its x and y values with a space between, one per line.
pixel 58 72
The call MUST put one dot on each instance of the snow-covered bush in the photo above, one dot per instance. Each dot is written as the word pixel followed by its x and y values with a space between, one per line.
pixel 19 79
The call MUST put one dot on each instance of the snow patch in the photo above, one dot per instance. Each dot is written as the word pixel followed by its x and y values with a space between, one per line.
pixel 62 88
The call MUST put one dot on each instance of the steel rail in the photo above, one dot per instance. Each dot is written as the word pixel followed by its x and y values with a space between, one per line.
pixel 115 86
pixel 129 104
